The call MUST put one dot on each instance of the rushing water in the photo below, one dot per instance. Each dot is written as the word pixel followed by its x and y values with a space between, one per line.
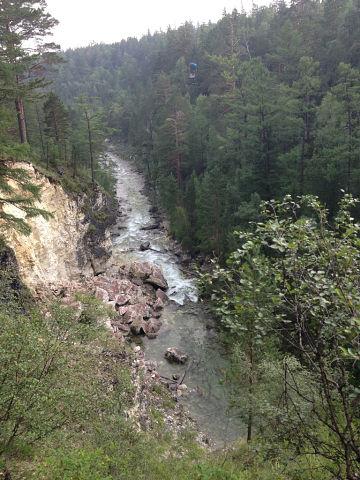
pixel 186 324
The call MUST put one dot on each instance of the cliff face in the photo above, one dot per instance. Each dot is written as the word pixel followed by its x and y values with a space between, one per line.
pixel 60 249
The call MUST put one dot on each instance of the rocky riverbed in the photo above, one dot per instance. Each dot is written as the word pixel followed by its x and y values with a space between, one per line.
pixel 168 315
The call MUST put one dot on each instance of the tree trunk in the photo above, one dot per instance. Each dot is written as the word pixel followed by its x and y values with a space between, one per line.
pixel 251 382
pixel 350 132
pixel 40 131
pixel 90 148
pixel 19 104
pixel 47 155
pixel 74 161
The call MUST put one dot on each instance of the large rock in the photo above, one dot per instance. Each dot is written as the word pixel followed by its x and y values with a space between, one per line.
pixel 135 312
pixel 137 326
pixel 148 273
pixel 154 226
pixel 102 294
pixel 98 266
pixel 152 327
pixel 122 299
pixel 120 327
pixel 157 279
pixel 162 295
pixel 145 246
pixel 158 305
pixel 115 287
pixel 175 355
pixel 141 270
pixel 156 313
pixel 122 310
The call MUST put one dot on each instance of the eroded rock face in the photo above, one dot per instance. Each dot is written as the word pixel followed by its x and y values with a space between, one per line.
pixel 56 249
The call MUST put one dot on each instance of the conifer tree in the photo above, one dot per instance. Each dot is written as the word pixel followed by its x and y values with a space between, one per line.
pixel 57 122
pixel 23 26
pixel 18 196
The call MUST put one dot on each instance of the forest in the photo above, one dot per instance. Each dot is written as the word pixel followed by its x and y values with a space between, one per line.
pixel 274 110
pixel 254 160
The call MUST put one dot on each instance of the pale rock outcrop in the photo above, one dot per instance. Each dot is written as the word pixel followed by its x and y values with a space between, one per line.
pixel 54 252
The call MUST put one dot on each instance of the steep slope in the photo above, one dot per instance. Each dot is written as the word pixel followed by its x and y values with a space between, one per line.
pixel 60 249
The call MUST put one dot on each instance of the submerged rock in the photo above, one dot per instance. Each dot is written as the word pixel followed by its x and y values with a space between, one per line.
pixel 154 226
pixel 175 355
pixel 145 246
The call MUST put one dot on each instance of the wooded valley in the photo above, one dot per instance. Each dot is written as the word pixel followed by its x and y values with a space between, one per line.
pixel 247 132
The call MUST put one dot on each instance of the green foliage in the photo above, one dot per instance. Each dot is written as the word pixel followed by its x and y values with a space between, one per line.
pixel 14 296
pixel 17 195
pixel 80 464
pixel 293 285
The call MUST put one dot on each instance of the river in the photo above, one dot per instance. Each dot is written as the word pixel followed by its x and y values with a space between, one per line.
pixel 186 323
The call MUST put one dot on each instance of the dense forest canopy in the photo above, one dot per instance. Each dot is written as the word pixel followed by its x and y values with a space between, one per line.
pixel 274 109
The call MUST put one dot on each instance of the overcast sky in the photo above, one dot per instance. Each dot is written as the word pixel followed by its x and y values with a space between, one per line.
pixel 86 21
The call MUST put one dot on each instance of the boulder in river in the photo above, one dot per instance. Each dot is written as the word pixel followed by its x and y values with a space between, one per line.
pixel 154 226
pixel 145 246
pixel 152 327
pixel 148 273
pixel 175 355
pixel 157 279
pixel 141 270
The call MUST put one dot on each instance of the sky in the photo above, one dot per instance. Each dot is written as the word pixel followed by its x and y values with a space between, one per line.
pixel 86 21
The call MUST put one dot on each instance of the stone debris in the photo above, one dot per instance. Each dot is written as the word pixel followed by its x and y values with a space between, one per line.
pixel 135 294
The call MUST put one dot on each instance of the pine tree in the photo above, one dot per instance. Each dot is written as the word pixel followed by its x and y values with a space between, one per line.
pixel 57 122
pixel 18 197
pixel 21 23
pixel 337 149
